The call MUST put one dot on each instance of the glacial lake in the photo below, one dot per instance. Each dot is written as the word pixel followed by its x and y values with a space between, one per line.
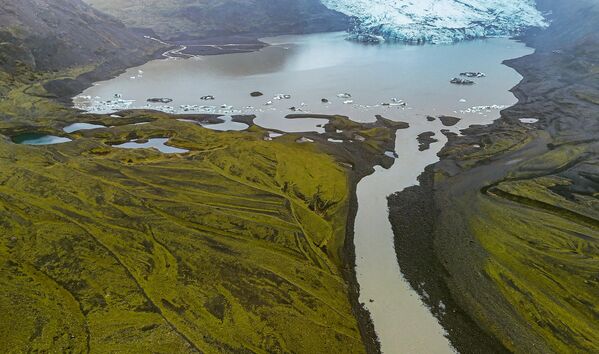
pixel 156 143
pixel 39 139
pixel 75 127
pixel 380 79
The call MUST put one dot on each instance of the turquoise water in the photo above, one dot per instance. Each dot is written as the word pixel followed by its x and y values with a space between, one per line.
pixel 39 139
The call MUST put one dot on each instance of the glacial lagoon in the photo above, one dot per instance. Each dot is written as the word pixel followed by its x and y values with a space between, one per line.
pixel 325 74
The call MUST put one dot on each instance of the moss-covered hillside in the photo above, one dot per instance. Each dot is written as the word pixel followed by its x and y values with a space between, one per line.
pixel 238 245
pixel 184 19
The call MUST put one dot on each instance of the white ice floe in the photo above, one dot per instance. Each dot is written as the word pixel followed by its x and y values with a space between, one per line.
pixel 480 109
pixel 391 154
pixel 303 139
pixel 529 120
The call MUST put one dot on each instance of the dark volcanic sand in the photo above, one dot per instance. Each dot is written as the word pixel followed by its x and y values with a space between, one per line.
pixel 438 254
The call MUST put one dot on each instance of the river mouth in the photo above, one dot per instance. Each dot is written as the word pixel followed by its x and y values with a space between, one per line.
pixel 324 74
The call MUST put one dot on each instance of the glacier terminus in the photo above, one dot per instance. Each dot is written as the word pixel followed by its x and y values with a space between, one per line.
pixel 436 21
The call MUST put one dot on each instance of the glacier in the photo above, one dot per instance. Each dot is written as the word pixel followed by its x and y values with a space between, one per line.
pixel 436 21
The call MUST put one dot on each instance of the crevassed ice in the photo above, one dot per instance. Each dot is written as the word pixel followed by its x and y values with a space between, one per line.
pixel 437 21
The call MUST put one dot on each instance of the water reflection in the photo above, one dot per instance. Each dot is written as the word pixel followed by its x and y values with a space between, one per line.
pixel 157 143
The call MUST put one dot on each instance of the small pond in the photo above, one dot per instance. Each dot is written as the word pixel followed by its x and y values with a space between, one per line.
pixel 157 143
pixel 38 139
pixel 81 126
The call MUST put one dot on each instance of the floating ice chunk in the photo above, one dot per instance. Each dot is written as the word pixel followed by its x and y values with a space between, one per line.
pixel 459 81
pixel 473 74
pixel 529 120
pixel 478 109
pixel 303 139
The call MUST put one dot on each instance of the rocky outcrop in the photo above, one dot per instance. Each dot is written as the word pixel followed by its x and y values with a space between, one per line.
pixel 58 34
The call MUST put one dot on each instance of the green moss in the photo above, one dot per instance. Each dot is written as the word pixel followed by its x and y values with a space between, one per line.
pixel 232 247
pixel 171 233
pixel 546 267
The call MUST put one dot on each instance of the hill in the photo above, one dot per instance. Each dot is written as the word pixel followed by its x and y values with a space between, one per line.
pixel 185 19
pixel 239 245
pixel 53 35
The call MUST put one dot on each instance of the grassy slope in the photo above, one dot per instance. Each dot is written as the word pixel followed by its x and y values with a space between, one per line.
pixel 518 225
pixel 210 18
pixel 235 246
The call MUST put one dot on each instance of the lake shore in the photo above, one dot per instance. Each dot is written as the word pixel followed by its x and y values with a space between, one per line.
pixel 456 98
pixel 64 89
pixel 363 163
pixel 453 232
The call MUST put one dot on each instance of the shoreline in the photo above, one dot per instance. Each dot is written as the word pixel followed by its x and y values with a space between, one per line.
pixel 64 89
pixel 362 315
pixel 413 214
pixel 439 250
pixel 365 323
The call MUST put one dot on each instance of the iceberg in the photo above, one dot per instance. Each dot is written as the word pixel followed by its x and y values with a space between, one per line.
pixel 436 21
